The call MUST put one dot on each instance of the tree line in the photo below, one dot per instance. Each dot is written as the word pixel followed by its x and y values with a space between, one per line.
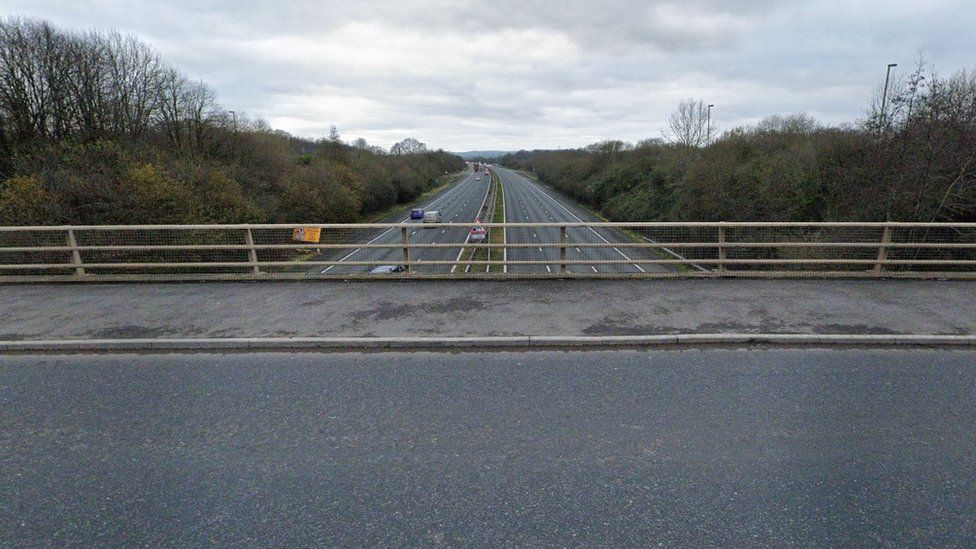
pixel 914 160
pixel 96 128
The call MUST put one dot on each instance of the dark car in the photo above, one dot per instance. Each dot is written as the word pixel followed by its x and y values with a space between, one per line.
pixel 417 213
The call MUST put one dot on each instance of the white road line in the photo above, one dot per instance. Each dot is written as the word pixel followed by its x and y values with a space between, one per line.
pixel 468 238
pixel 540 249
pixel 548 270
pixel 442 197
pixel 581 221
pixel 594 269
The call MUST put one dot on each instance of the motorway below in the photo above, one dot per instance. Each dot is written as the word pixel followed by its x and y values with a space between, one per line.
pixel 625 448
pixel 459 204
pixel 527 202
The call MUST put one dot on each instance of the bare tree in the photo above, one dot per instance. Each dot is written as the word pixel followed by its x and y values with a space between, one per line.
pixel 689 125
pixel 56 84
pixel 791 124
pixel 408 146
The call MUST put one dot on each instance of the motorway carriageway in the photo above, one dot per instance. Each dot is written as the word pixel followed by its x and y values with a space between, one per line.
pixel 527 202
pixel 459 204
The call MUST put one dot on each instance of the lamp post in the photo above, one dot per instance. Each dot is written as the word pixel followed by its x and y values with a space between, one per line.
pixel 708 130
pixel 884 96
pixel 234 114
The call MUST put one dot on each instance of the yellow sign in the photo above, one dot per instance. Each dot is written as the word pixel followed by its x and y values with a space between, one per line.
pixel 307 234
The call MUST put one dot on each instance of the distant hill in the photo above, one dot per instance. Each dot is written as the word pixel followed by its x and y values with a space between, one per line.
pixel 469 155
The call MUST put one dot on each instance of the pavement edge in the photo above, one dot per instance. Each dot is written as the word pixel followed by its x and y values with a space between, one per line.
pixel 487 343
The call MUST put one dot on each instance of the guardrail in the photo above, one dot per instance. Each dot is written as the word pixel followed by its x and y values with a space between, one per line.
pixel 530 250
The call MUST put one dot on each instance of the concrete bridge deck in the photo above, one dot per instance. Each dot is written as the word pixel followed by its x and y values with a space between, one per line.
pixel 478 309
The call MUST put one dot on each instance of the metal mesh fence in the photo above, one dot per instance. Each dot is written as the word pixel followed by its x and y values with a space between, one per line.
pixel 517 250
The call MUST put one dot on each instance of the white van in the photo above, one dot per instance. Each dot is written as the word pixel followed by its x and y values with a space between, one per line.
pixel 432 217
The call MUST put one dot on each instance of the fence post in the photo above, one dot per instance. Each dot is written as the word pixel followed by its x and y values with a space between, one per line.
pixel 252 254
pixel 405 237
pixel 562 249
pixel 75 254
pixel 721 248
pixel 883 250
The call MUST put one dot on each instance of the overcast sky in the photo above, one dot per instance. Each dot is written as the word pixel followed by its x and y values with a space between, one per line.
pixel 516 74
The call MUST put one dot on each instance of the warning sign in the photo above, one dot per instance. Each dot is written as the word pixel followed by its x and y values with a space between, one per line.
pixel 306 234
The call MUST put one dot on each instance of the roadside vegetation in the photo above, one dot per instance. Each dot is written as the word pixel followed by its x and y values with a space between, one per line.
pixel 95 128
pixel 915 160
pixel 496 235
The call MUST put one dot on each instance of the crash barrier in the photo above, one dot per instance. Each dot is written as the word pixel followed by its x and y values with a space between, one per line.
pixel 526 250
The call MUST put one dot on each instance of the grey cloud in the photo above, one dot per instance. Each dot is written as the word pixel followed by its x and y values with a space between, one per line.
pixel 508 74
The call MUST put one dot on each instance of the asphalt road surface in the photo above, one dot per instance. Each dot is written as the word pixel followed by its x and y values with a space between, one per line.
pixel 682 447
pixel 528 202
pixel 460 204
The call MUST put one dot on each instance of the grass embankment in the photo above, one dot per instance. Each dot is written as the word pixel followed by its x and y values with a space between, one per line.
pixel 496 235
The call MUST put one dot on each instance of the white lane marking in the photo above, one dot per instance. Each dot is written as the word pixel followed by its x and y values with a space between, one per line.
pixel 357 249
pixel 540 248
pixel 534 236
pixel 442 197
pixel 548 270
pixel 594 269
pixel 443 231
pixel 581 221
pixel 468 238
pixel 578 250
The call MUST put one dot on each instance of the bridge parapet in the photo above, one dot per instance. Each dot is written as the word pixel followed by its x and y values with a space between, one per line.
pixel 530 250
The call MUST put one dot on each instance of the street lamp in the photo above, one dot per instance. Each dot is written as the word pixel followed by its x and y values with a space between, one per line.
pixel 708 131
pixel 234 114
pixel 884 95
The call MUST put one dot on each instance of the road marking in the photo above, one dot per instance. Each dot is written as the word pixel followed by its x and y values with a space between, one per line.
pixel 468 237
pixel 540 248
pixel 435 201
pixel 594 269
pixel 534 236
pixel 581 221
pixel 548 270
pixel 578 250
pixel 443 231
